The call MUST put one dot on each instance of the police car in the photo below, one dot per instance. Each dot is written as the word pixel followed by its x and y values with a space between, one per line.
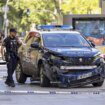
pixel 58 54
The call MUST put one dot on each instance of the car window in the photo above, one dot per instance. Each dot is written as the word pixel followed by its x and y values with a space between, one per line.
pixel 29 41
pixel 64 40
pixel 37 39
pixel 30 35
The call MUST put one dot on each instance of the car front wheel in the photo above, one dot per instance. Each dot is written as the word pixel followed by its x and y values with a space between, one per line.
pixel 20 76
pixel 44 81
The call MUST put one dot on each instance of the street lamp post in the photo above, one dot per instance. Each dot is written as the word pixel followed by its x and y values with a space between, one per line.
pixel 5 18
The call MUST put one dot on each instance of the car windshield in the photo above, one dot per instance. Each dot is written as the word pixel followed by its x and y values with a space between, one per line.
pixel 64 40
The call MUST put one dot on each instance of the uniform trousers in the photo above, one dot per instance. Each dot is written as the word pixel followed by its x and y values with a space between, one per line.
pixel 11 66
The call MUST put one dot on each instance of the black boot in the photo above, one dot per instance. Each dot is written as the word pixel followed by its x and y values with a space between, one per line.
pixel 12 84
pixel 7 83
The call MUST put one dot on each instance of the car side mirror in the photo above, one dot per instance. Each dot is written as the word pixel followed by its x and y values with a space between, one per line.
pixel 35 45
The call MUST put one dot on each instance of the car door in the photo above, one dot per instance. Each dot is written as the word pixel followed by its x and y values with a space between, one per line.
pixel 33 56
pixel 24 49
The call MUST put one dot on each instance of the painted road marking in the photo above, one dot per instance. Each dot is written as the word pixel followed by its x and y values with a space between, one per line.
pixel 8 92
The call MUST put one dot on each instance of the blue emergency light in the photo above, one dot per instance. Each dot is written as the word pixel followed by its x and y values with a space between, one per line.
pixel 50 27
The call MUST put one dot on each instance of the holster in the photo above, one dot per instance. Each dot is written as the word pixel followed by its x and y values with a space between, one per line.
pixel 7 57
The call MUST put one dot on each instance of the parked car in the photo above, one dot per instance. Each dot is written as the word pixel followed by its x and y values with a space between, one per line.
pixel 61 56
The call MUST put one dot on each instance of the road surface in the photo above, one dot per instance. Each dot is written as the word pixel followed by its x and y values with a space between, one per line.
pixel 33 94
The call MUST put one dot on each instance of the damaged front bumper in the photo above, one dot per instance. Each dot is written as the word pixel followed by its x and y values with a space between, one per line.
pixel 82 78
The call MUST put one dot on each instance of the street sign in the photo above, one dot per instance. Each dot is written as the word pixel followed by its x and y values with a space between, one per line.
pixel 28 11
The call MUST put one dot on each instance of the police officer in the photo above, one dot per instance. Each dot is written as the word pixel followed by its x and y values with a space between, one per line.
pixel 11 44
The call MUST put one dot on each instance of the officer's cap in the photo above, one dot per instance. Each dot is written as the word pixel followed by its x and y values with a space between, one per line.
pixel 13 30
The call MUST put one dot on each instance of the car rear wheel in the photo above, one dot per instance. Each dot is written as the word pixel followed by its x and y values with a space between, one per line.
pixel 44 81
pixel 20 76
pixel 98 84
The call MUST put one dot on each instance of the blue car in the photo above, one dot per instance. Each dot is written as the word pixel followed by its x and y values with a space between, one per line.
pixel 61 56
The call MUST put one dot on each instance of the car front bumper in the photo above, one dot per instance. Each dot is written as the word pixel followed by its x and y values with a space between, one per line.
pixel 80 79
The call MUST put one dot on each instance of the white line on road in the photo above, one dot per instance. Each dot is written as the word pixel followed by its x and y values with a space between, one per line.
pixel 51 92
pixel 2 65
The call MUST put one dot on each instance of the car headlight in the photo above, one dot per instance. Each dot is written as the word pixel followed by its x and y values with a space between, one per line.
pixel 55 57
pixel 55 60
pixel 97 56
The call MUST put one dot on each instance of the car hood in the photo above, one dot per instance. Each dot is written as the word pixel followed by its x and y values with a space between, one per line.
pixel 73 52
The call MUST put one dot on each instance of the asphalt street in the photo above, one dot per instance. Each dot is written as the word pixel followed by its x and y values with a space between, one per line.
pixel 33 94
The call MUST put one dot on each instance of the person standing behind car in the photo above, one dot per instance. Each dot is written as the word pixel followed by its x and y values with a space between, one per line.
pixel 11 43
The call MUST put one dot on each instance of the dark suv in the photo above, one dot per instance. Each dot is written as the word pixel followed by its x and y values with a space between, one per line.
pixel 65 57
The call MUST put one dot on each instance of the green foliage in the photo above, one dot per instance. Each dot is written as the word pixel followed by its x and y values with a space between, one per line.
pixel 81 7
pixel 42 11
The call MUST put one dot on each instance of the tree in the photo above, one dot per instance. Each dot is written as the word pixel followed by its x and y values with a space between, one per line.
pixel 42 11
pixel 81 7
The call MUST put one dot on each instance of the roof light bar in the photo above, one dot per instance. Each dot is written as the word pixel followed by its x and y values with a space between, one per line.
pixel 49 27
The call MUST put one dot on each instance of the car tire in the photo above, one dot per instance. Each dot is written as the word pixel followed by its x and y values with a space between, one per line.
pixel 98 84
pixel 20 76
pixel 44 81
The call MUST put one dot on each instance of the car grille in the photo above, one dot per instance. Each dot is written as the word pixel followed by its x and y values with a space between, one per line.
pixel 80 61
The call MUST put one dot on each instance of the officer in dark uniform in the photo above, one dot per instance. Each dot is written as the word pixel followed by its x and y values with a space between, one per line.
pixel 11 44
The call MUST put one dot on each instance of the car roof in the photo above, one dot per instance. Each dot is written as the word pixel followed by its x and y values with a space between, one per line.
pixel 53 31
pixel 42 29
pixel 36 33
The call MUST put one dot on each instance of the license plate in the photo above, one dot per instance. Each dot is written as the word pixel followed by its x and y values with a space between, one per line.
pixel 77 67
pixel 85 75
